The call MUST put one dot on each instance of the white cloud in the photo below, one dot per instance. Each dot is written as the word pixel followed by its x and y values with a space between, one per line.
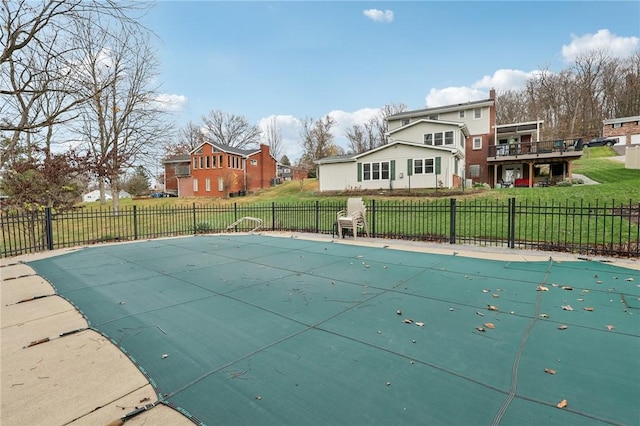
pixel 615 46
pixel 378 15
pixel 504 79
pixel 290 127
pixel 170 102
pixel 453 95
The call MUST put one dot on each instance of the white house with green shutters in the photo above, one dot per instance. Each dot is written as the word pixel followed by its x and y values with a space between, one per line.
pixel 421 154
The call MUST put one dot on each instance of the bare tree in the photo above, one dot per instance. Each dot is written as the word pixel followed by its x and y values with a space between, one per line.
pixel 231 130
pixel 274 137
pixel 189 138
pixel 38 61
pixel 317 141
pixel 372 134
pixel 123 122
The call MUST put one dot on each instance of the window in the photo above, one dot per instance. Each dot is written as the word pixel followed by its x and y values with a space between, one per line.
pixel 213 161
pixel 617 125
pixel 437 138
pixel 461 114
pixel 195 162
pixel 406 121
pixel 433 117
pixel 423 166
pixel 448 138
pixel 254 162
pixel 428 166
pixel 207 162
pixel 207 184
pixel 201 166
pixel 375 171
pixel 428 139
pixel 195 185
pixel 474 170
pixel 477 142
pixel 477 113
pixel 220 184
pixel 417 167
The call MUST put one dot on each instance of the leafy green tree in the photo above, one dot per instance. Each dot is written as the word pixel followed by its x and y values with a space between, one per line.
pixel 138 183
pixel 285 161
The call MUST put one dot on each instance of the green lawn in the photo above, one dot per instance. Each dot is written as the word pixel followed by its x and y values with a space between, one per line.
pixel 615 184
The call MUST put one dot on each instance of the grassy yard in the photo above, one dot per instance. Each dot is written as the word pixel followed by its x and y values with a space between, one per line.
pixel 558 217
pixel 615 184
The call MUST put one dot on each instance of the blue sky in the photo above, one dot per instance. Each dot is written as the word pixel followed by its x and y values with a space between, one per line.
pixel 298 59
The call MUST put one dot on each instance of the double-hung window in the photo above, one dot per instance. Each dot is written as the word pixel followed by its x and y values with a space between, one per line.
pixel 375 171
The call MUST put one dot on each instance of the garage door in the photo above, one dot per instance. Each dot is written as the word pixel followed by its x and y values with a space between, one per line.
pixel 635 138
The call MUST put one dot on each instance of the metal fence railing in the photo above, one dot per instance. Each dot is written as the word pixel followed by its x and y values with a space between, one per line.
pixel 601 228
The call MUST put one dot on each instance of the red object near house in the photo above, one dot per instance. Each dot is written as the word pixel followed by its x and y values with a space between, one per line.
pixel 215 170
pixel 522 182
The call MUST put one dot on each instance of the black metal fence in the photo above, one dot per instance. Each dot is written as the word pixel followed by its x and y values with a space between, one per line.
pixel 595 229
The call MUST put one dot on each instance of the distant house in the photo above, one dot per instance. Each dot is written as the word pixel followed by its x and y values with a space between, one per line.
pixel 626 129
pixel 213 170
pixel 95 195
pixel 287 173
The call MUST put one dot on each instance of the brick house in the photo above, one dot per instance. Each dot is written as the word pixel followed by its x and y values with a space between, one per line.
pixel 215 170
pixel 626 129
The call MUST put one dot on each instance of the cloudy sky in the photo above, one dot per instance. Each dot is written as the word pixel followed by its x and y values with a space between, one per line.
pixel 298 59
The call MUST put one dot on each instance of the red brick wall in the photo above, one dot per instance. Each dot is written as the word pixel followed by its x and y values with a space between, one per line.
pixel 257 176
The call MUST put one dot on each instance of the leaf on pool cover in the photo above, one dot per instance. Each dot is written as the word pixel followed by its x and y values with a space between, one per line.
pixel 567 308
pixel 542 288
pixel 567 287
pixel 629 279
pixel 420 324
pixel 562 327
pixel 562 403
pixel 610 327
pixel 486 290
pixel 407 321
pixel 489 325
pixel 480 329
pixel 549 371
pixel 543 316
pixel 589 308
pixel 495 296
pixel 492 307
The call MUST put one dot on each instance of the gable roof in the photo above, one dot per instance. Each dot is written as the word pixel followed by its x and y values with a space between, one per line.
pixel 227 149
pixel 442 109
pixel 177 159
pixel 461 126
pixel 349 158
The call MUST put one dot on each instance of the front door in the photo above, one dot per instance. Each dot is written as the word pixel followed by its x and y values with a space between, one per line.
pixel 511 173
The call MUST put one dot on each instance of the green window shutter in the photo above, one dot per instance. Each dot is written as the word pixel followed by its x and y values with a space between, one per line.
pixel 393 169
pixel 438 161
pixel 359 172
pixel 409 167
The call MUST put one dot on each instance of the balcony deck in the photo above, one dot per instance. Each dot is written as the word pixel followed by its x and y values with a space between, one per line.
pixel 569 148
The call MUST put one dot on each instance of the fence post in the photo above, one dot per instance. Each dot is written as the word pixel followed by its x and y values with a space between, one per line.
pixel 373 218
pixel 511 237
pixel 273 216
pixel 317 217
pixel 135 222
pixel 235 212
pixel 48 227
pixel 195 225
pixel 452 221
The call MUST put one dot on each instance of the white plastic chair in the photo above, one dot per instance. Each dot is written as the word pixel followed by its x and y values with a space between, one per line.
pixel 354 217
